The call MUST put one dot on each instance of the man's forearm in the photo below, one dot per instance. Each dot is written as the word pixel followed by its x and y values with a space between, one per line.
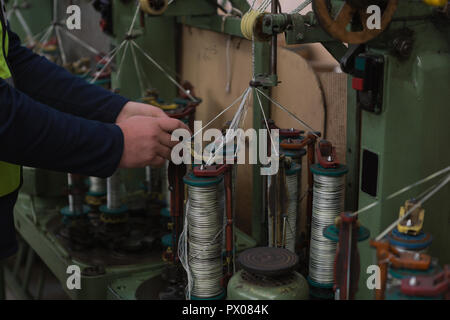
pixel 52 85
pixel 35 135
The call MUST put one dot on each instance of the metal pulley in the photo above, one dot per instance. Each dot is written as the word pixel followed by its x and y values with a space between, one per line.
pixel 337 26
pixel 251 26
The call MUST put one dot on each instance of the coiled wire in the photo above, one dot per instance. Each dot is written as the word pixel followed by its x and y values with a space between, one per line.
pixel 205 232
pixel 165 184
pixel 97 185
pixel 328 203
pixel 113 196
pixel 292 184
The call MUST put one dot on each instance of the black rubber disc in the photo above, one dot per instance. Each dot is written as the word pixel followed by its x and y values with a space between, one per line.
pixel 268 261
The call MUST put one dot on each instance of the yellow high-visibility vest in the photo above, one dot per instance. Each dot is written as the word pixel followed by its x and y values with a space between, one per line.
pixel 9 173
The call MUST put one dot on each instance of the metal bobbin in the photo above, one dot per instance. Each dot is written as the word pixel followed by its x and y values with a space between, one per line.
pixel 148 179
pixel 205 226
pixel 76 207
pixel 328 203
pixel 97 186
pixel 114 211
pixel 293 183
pixel 228 154
pixel 97 192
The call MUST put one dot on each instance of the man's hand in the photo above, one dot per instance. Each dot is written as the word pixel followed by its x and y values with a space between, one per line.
pixel 148 140
pixel 132 109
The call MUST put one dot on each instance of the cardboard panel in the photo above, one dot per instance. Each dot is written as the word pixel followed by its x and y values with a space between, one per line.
pixel 204 63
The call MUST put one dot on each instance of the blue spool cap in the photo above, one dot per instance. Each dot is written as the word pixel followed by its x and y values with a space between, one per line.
pixel 294 169
pixel 409 242
pixel 67 213
pixel 221 296
pixel 167 240
pixel 340 170
pixel 191 180
pixel 123 209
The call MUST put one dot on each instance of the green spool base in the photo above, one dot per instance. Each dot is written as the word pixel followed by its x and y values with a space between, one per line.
pixel 96 194
pixel 319 285
pixel 123 209
pixel 332 233
pixel 191 180
pixel 67 213
pixel 340 170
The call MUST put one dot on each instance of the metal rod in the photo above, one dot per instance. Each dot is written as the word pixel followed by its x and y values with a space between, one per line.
pixel 274 43
pixel 229 226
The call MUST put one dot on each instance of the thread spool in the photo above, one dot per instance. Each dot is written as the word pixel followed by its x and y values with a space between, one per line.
pixel 328 203
pixel 251 26
pixel 76 207
pixel 114 211
pixel 286 230
pixel 228 154
pixel 97 186
pixel 96 194
pixel 205 225
pixel 154 7
pixel 293 183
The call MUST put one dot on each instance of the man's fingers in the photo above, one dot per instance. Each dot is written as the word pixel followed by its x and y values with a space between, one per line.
pixel 164 152
pixel 170 125
pixel 158 162
pixel 166 140
pixel 158 113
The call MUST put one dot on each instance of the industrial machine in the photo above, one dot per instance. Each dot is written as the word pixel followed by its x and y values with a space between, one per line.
pixel 171 235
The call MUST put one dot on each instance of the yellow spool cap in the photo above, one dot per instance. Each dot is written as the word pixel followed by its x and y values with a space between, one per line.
pixel 148 6
pixel 436 3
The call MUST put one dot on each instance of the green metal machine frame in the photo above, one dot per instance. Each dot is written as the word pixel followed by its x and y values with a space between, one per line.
pixel 409 137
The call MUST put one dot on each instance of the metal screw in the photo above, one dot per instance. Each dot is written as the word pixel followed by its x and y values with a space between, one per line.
pixel 403 47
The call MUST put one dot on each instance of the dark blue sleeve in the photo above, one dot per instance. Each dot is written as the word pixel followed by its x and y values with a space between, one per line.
pixel 33 134
pixel 52 85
